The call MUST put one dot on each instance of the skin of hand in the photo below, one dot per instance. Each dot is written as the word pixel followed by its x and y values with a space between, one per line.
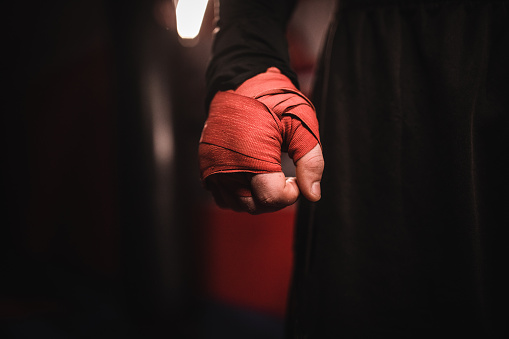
pixel 269 192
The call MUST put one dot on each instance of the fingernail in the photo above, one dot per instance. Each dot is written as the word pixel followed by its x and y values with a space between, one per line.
pixel 315 188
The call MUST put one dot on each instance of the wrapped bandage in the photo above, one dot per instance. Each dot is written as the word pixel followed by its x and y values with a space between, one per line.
pixel 247 128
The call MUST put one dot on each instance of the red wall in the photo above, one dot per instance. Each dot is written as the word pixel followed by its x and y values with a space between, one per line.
pixel 248 259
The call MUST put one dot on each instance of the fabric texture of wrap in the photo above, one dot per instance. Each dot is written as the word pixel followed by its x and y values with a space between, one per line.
pixel 247 128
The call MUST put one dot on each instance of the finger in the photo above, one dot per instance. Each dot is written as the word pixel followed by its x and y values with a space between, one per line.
pixel 215 189
pixel 238 203
pixel 229 200
pixel 232 191
pixel 272 191
pixel 219 200
pixel 309 171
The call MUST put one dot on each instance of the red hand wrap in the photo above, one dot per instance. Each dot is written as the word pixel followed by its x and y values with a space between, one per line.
pixel 247 128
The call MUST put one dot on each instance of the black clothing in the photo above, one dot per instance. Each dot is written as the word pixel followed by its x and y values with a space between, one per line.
pixel 250 39
pixel 408 238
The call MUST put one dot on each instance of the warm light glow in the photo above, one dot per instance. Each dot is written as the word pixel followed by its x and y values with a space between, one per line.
pixel 189 17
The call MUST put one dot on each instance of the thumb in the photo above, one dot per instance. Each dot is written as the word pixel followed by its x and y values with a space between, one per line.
pixel 309 171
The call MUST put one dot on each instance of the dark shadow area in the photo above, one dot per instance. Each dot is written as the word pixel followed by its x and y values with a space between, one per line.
pixel 91 240
pixel 102 232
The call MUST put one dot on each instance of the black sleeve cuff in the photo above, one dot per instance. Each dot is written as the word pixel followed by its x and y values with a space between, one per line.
pixel 250 37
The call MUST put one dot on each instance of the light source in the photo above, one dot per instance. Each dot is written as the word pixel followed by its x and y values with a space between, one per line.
pixel 189 17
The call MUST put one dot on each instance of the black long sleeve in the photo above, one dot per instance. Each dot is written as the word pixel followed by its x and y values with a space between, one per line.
pixel 250 37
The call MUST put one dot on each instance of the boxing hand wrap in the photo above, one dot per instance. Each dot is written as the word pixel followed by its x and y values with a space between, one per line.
pixel 247 128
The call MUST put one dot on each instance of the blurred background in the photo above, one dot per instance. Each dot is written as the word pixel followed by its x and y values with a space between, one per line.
pixel 106 231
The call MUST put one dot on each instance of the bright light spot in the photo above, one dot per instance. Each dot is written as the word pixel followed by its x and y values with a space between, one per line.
pixel 189 17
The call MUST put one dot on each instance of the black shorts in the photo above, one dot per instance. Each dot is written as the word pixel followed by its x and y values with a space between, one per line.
pixel 409 238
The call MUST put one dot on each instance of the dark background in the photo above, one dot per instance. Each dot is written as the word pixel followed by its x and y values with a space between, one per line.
pixel 106 231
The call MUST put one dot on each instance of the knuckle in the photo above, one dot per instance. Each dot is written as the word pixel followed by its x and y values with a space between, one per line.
pixel 248 205
pixel 266 200
pixel 271 203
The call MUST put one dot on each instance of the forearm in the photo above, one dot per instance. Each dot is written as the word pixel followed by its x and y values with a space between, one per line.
pixel 251 37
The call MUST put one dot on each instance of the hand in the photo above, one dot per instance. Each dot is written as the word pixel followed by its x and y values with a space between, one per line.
pixel 269 192
pixel 242 140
